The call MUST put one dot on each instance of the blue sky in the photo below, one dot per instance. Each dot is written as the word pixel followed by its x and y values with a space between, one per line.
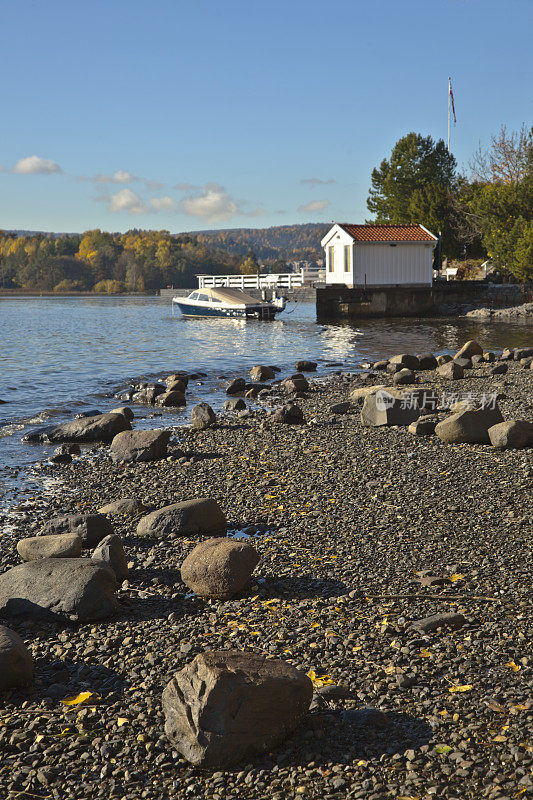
pixel 231 113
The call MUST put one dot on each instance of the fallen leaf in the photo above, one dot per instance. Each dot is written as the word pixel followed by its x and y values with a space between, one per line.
pixel 442 748
pixel 495 706
pixel 457 576
pixel 121 721
pixel 323 680
pixel 514 667
pixel 425 653
pixel 82 697
pixel 464 688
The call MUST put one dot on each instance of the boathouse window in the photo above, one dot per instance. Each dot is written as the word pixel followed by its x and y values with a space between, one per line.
pixel 347 258
pixel 331 259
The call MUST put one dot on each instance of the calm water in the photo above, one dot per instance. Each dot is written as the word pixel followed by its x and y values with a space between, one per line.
pixel 60 356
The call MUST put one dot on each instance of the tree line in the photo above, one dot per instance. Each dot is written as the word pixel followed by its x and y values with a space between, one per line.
pixel 136 261
pixel 487 212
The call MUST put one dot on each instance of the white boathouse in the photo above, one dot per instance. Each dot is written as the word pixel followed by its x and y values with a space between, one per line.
pixel 379 255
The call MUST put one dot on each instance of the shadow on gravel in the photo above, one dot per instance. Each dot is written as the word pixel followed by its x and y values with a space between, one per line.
pixel 60 679
pixel 302 587
pixel 341 737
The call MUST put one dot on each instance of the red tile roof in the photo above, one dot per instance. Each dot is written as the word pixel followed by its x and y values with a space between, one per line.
pixel 388 233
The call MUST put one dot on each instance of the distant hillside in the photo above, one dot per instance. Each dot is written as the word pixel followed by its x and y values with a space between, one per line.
pixel 287 242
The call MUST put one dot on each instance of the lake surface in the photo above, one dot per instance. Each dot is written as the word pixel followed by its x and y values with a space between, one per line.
pixel 60 356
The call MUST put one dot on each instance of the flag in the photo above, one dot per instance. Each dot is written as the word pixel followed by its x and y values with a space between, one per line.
pixel 451 98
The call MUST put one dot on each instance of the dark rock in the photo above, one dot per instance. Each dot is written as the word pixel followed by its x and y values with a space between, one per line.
pixel 290 414
pixel 341 408
pixel 380 365
pixel 393 368
pixel 59 545
pixel 140 445
pixel 219 568
pixel 102 428
pixel 451 370
pixel 171 399
pixel 470 425
pixel 499 369
pixel 403 376
pixel 423 426
pixel 202 417
pixel 465 363
pixel 386 408
pixel 86 414
pixel 227 706
pixel 435 621
pixel 295 385
pixel 201 515
pixel 177 386
pixel 262 373
pixel 427 361
pixel 234 404
pixel 177 376
pixel 306 366
pixel 511 434
pixel 405 360
pixel 91 528
pixel 50 588
pixel 522 352
pixel 111 553
pixel 61 459
pixel 237 385
pixel 16 662
pixel 67 450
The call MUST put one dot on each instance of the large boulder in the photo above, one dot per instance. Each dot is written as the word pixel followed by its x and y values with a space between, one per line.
pixel 513 434
pixel 91 528
pixel 177 376
pixel 424 426
pixel 469 349
pixel 111 553
pixel 262 373
pixel 202 515
pixel 358 394
pixel 405 361
pixel 127 507
pixel 522 352
pixel 227 706
pixel 306 366
pixel 202 417
pixel 16 662
pixel 75 589
pixel 219 568
pixel 471 425
pixel 389 408
pixel 60 545
pixel 465 363
pixel 445 358
pixel 177 386
pixel 125 411
pixel 451 371
pixel 102 428
pixel 140 445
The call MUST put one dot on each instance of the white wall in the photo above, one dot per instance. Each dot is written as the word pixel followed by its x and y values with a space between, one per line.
pixel 338 241
pixel 408 263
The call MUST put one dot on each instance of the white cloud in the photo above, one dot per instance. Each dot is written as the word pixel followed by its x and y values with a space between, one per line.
pixel 314 205
pixel 126 200
pixel 212 203
pixel 34 165
pixel 119 176
pixel 186 187
pixel 318 181
pixel 163 203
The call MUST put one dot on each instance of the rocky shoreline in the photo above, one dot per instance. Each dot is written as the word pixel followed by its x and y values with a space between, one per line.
pixel 522 313
pixel 364 532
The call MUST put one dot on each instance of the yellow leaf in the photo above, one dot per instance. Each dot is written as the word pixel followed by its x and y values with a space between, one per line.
pixel 425 653
pixel 456 577
pixel 500 738
pixel 121 721
pixel 514 667
pixel 82 697
pixel 465 688
pixel 39 737
pixel 323 680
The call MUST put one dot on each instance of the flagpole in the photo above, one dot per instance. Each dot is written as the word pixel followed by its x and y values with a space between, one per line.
pixel 449 110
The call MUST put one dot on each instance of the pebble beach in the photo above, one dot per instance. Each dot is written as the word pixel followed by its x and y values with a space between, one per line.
pixel 363 533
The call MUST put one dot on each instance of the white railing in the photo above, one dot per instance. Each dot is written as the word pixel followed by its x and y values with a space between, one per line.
pixel 287 280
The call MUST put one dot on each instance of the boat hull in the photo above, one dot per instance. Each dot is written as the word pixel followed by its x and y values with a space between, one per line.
pixel 261 312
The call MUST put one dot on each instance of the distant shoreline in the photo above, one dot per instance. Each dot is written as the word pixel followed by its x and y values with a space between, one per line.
pixel 37 293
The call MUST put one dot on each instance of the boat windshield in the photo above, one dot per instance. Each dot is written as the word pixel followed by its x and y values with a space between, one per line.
pixel 193 296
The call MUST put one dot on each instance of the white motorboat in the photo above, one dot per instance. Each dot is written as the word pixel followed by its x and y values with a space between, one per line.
pixel 225 302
